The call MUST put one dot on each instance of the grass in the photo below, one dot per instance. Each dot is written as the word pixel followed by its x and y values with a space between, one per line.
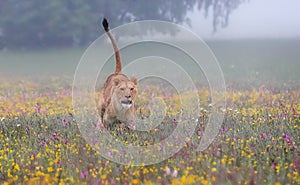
pixel 258 143
pixel 254 62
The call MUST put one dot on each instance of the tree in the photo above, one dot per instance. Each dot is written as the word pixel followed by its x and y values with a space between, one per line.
pixel 35 23
pixel 221 10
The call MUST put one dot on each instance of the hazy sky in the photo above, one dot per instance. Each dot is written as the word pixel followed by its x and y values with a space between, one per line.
pixel 254 19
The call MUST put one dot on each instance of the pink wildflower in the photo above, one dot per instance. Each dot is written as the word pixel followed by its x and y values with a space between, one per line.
pixel 64 122
pixel 37 108
pixel 175 173
pixel 287 137
pixel 174 122
pixel 109 154
pixel 83 174
pixel 261 137
pixel 168 171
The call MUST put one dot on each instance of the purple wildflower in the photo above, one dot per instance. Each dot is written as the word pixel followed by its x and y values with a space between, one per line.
pixel 42 143
pixel 273 165
pixel 168 171
pixel 261 137
pixel 53 136
pixel 58 162
pixel 223 131
pixel 287 137
pixel 94 140
pixel 109 154
pixel 174 122
pixel 132 126
pixel 175 173
pixel 64 122
pixel 83 174
pixel 37 108
pixel 199 132
pixel 70 116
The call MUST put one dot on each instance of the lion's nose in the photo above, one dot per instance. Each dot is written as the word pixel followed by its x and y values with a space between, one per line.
pixel 128 96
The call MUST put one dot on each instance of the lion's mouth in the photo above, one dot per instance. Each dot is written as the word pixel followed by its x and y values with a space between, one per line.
pixel 126 104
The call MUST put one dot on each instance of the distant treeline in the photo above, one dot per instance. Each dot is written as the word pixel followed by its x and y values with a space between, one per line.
pixel 50 23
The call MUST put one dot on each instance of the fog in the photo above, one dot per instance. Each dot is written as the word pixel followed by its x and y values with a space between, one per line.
pixel 253 19
pixel 259 55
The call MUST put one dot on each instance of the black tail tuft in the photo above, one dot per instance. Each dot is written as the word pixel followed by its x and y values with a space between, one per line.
pixel 105 25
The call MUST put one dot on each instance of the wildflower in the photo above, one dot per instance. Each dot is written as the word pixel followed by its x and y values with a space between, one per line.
pixel 83 174
pixel 103 177
pixel 199 132
pixel 174 122
pixel 261 137
pixel 53 136
pixel 50 169
pixel 168 171
pixel 37 108
pixel 175 173
pixel 109 154
pixel 135 181
pixel 132 126
pixel 58 162
pixel 42 143
pixel 242 153
pixel 286 137
pixel 70 116
pixel 17 167
pixel 204 181
pixel 223 131
pixel 99 126
pixel 64 122
pixel 94 140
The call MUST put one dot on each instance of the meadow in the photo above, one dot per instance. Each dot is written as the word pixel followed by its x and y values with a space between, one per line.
pixel 258 143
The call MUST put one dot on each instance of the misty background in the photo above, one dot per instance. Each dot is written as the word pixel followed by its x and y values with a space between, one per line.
pixel 273 19
pixel 253 40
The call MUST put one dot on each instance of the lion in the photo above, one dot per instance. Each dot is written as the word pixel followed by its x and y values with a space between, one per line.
pixel 116 100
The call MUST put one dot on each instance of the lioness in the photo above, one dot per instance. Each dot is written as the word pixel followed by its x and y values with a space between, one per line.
pixel 116 100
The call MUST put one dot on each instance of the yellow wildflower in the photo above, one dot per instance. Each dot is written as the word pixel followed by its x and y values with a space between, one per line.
pixel 50 169
pixel 135 181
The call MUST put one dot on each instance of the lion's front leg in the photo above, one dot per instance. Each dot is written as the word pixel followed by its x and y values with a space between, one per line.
pixel 109 117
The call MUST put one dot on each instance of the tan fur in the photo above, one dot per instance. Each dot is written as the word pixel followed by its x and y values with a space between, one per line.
pixel 116 100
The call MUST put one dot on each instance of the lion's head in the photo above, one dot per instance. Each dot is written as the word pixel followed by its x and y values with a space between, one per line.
pixel 125 92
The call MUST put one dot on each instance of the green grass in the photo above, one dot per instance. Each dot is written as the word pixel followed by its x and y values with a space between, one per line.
pixel 40 62
pixel 253 62
pixel 259 61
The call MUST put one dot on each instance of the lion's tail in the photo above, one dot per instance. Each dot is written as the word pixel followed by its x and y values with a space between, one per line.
pixel 117 53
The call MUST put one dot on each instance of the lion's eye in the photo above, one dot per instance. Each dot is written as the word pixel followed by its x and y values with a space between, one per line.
pixel 131 89
pixel 122 89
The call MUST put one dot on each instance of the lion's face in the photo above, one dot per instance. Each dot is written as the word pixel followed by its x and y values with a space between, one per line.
pixel 126 92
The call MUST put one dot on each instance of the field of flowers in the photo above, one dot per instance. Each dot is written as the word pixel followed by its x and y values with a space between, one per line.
pixel 40 142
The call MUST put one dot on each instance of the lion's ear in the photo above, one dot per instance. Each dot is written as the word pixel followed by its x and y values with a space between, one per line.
pixel 134 80
pixel 116 82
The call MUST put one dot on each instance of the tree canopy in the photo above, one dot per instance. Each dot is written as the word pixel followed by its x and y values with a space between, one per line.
pixel 35 23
